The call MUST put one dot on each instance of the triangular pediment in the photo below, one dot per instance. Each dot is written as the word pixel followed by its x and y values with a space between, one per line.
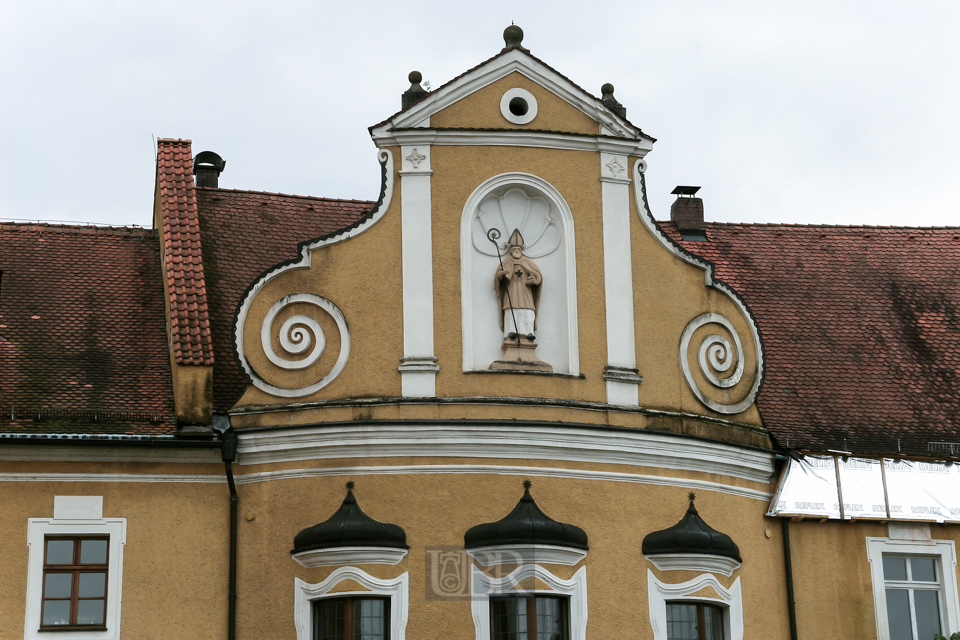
pixel 526 68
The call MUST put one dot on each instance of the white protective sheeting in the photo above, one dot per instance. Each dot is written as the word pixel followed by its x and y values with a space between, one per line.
pixel 899 490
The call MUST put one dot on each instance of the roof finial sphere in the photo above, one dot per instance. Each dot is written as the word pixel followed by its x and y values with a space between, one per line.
pixel 513 36
pixel 415 77
pixel 606 89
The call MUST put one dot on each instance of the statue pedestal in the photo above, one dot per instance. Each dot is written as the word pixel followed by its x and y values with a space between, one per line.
pixel 520 356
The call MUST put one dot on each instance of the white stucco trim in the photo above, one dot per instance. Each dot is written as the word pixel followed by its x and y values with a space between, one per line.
pixel 944 550
pixel 530 99
pixel 533 442
pixel 618 280
pixel 494 556
pixel 349 555
pixel 483 586
pixel 418 368
pixel 470 361
pixel 649 222
pixel 694 562
pixel 421 469
pixel 397 589
pixel 289 327
pixel 500 67
pixel 517 138
pixel 659 593
pixel 385 158
pixel 40 528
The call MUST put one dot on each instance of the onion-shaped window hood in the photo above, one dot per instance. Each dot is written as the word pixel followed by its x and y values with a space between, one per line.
pixel 692 544
pixel 350 537
pixel 527 534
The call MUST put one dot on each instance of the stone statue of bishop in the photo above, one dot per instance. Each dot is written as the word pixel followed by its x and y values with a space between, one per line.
pixel 518 282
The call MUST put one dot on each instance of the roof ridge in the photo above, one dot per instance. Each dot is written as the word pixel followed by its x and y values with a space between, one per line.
pixel 285 195
pixel 824 226
pixel 182 256
pixel 86 229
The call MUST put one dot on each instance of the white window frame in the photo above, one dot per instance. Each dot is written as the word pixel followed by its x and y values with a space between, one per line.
pixel 75 516
pixel 484 586
pixel 943 550
pixel 397 589
pixel 731 600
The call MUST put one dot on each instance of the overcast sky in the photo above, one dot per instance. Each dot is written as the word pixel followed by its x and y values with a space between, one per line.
pixel 838 112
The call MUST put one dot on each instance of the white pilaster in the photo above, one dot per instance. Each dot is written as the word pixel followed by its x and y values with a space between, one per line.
pixel 621 371
pixel 418 366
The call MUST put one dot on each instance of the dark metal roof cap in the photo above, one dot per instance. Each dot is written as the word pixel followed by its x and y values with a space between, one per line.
pixel 685 191
pixel 526 524
pixel 691 535
pixel 350 527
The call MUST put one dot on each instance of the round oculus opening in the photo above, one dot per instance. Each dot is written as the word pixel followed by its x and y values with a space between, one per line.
pixel 518 106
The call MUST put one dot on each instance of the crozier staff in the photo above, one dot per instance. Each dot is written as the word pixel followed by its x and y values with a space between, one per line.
pixel 518 283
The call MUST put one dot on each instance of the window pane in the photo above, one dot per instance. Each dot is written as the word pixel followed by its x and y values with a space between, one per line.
pixel 894 568
pixel 927 605
pixel 57 585
pixel 898 613
pixel 924 570
pixel 714 622
pixel 90 612
pixel 682 622
pixel 59 551
pixel 509 618
pixel 368 620
pixel 56 612
pixel 551 619
pixel 93 552
pixel 329 621
pixel 92 585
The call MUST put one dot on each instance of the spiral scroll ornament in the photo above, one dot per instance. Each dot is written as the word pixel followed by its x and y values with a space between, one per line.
pixel 716 357
pixel 299 335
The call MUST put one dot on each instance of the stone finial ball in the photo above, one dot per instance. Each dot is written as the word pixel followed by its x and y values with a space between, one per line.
pixel 607 89
pixel 513 35
pixel 415 77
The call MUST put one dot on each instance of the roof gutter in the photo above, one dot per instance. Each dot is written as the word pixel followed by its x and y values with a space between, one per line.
pixel 121 440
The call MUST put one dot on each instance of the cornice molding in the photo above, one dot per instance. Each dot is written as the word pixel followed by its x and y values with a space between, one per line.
pixel 495 556
pixel 515 138
pixel 694 562
pixel 349 555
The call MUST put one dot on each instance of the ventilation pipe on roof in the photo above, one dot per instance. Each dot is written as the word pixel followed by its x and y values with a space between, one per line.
pixel 208 166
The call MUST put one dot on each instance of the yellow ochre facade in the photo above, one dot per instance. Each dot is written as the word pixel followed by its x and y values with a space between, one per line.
pixel 367 357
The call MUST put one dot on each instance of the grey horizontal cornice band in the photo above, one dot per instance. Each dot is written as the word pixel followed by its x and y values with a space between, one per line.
pixel 499 401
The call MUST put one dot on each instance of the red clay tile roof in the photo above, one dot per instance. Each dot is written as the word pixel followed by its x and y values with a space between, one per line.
pixel 182 257
pixel 82 337
pixel 861 328
pixel 245 233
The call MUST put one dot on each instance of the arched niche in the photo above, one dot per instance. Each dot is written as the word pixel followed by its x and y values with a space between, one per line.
pixel 519 201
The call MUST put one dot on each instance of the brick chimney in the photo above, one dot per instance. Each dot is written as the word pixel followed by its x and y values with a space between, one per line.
pixel 687 211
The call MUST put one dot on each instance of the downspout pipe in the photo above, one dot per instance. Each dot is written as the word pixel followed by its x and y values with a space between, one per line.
pixel 228 452
pixel 788 562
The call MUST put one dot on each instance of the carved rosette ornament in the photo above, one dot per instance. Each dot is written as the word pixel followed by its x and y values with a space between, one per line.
pixel 714 364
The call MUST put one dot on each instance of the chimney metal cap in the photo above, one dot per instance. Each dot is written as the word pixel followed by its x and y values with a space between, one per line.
pixel 209 159
pixel 685 191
